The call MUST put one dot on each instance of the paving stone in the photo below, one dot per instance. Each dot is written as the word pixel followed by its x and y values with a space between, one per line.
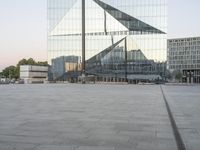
pixel 95 148
pixel 54 147
pixel 16 146
pixel 184 103
pixel 76 116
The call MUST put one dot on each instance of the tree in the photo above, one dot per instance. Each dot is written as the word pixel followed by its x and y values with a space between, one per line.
pixel 177 74
pixel 168 74
pixel 31 61
pixel 14 72
pixel 42 63
pixel 10 72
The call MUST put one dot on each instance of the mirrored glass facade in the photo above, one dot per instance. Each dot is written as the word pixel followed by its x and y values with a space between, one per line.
pixel 122 36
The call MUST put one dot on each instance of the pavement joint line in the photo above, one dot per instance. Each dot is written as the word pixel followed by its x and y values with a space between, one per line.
pixel 35 146
pixel 179 141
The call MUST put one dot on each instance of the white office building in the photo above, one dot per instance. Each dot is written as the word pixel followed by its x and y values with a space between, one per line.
pixel 33 74
pixel 184 55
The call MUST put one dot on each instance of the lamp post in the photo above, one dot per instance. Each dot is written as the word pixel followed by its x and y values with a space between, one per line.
pixel 126 69
pixel 83 41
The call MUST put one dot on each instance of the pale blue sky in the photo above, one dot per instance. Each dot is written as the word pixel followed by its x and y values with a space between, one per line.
pixel 23 27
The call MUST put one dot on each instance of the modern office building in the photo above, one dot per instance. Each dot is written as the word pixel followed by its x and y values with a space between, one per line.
pixel 123 37
pixel 184 55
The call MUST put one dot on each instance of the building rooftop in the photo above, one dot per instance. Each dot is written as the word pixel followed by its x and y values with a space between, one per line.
pixel 183 38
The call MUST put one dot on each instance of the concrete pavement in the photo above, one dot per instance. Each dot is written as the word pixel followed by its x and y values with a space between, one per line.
pixel 87 117
pixel 184 102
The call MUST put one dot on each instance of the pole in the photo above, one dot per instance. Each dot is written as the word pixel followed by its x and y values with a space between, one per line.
pixel 83 36
pixel 83 41
pixel 125 45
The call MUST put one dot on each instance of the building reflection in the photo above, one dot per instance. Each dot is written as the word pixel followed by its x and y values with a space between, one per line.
pixel 124 38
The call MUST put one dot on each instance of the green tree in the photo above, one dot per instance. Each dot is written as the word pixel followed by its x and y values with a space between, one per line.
pixel 31 61
pixel 177 74
pixel 1 74
pixel 14 72
pixel 168 75
pixel 10 72
pixel 42 63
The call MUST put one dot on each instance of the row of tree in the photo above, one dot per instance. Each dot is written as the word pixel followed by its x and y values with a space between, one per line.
pixel 14 71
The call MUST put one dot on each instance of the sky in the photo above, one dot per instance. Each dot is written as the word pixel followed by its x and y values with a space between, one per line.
pixel 23 27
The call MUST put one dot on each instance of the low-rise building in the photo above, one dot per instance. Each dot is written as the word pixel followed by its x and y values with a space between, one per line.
pixel 184 55
pixel 33 74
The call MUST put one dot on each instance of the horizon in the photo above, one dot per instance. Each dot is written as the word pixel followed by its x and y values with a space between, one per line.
pixel 24 28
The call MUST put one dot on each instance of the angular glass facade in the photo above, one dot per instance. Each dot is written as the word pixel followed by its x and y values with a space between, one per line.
pixel 123 37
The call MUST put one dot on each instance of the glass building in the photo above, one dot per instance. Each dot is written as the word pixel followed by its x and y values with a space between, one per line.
pixel 124 38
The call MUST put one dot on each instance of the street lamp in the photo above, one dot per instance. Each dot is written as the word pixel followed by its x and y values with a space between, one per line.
pixel 83 41
pixel 126 71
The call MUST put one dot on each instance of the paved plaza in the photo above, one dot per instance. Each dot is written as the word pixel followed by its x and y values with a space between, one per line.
pixel 97 117
pixel 185 105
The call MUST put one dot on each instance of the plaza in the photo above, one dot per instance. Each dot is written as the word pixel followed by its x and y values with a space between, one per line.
pixel 97 117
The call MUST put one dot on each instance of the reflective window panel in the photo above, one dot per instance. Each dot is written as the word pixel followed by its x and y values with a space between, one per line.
pixel 124 38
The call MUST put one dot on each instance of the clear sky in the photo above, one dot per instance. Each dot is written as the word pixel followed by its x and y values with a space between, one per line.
pixel 23 27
